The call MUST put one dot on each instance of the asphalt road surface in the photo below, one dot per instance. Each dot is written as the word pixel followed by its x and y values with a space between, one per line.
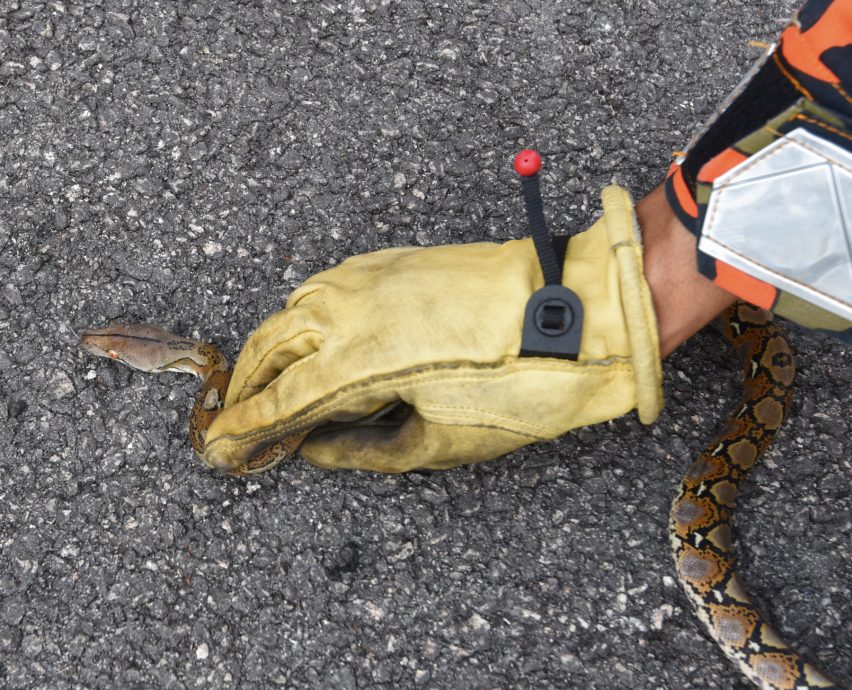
pixel 189 164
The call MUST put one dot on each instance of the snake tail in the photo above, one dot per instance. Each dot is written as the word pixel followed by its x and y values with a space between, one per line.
pixel 700 519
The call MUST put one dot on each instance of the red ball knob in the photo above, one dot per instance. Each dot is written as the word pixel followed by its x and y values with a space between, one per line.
pixel 527 163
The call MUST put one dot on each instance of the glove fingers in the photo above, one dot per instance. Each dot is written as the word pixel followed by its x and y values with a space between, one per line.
pixel 301 397
pixel 284 343
pixel 280 341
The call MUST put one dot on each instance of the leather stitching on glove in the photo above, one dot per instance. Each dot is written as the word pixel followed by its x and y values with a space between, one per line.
pixel 343 396
pixel 549 432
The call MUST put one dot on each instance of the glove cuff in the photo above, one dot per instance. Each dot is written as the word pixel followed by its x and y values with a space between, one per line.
pixel 625 241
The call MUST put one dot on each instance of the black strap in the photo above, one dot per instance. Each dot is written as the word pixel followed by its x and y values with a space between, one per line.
pixel 550 266
pixel 553 318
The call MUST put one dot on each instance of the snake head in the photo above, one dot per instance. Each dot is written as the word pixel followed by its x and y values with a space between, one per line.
pixel 104 342
pixel 145 347
pixel 93 344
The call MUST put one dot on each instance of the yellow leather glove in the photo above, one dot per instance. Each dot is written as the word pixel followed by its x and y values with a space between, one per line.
pixel 439 329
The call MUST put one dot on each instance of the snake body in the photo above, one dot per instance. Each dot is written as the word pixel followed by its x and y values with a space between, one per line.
pixel 154 350
pixel 700 519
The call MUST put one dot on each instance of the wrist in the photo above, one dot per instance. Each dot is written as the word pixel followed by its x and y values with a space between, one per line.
pixel 684 300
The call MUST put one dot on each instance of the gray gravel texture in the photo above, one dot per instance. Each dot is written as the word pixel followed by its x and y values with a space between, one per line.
pixel 189 164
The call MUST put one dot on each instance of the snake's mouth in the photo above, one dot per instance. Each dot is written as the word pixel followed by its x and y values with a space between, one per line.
pixel 89 344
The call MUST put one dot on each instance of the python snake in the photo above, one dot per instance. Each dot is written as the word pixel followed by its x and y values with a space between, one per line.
pixel 154 350
pixel 700 520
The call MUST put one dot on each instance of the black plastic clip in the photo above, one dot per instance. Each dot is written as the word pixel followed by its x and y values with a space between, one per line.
pixel 553 320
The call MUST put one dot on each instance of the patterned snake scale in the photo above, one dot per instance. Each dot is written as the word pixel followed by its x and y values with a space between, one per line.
pixel 700 520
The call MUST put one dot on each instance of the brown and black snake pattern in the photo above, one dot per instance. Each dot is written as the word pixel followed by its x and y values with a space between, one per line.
pixel 700 520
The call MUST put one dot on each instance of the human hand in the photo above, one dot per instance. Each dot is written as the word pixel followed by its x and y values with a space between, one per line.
pixel 409 358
